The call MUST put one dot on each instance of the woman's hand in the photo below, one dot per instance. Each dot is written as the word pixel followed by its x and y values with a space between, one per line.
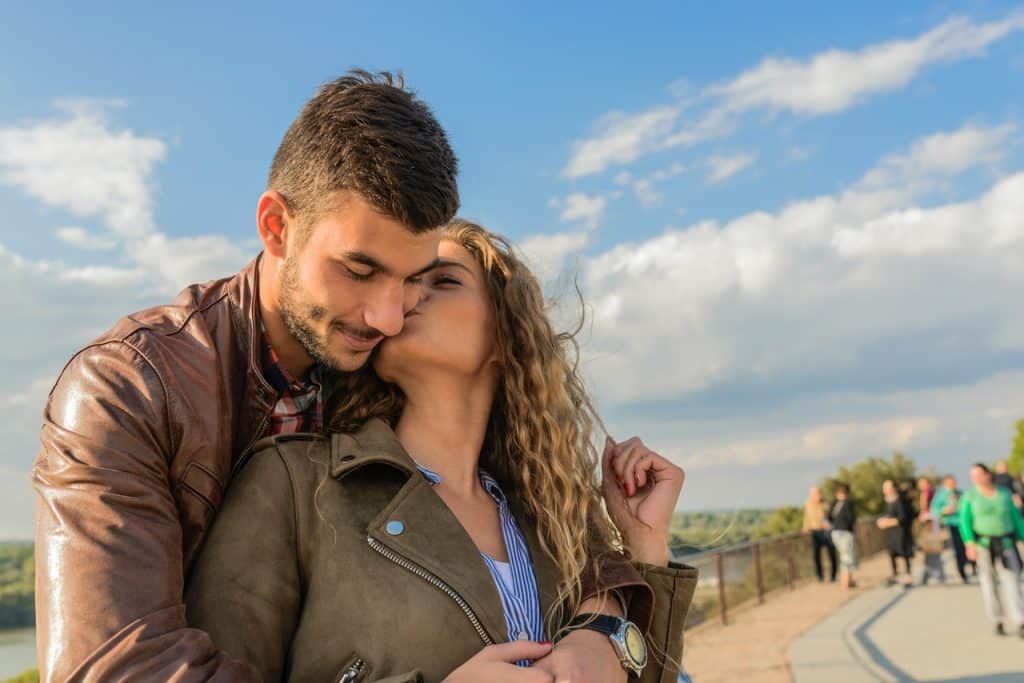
pixel 641 489
pixel 497 663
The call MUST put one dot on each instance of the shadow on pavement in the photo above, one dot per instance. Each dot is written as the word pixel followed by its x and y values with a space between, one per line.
pixel 880 661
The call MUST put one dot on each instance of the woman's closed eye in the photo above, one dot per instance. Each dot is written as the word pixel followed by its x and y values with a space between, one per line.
pixel 444 280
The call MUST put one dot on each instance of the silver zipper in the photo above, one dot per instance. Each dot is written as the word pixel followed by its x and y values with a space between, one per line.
pixel 436 582
pixel 352 671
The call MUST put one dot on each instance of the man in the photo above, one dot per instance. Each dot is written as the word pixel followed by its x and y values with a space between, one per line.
pixel 945 508
pixel 144 425
pixel 991 525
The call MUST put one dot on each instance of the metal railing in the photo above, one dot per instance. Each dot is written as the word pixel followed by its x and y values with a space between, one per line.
pixel 738 575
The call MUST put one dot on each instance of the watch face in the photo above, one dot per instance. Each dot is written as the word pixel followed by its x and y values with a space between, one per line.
pixel 635 645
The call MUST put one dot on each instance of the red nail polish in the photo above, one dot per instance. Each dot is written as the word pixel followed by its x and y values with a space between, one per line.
pixel 544 642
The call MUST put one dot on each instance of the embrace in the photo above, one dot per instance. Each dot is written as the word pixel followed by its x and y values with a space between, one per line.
pixel 367 456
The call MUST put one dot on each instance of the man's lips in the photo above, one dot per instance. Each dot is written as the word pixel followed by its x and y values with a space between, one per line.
pixel 360 343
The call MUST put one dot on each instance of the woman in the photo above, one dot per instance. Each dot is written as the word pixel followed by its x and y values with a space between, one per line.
pixel 819 529
pixel 896 520
pixel 843 519
pixel 456 505
pixel 991 525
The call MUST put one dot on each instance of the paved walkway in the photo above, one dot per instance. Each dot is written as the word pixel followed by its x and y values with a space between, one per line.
pixel 933 634
pixel 753 647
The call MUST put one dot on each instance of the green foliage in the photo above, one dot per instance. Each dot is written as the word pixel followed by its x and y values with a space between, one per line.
pixel 17 585
pixel 785 520
pixel 1015 463
pixel 693 532
pixel 28 676
pixel 865 481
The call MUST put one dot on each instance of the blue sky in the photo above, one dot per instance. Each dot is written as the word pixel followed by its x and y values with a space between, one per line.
pixel 795 224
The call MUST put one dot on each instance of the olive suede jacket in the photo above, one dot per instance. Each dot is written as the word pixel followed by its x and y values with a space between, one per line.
pixel 303 577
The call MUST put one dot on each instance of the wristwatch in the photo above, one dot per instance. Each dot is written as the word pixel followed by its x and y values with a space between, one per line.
pixel 627 640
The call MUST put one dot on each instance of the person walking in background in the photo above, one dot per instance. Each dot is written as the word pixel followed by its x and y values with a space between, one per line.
pixel 945 510
pixel 926 492
pixel 841 517
pixel 1004 479
pixel 820 530
pixel 895 520
pixel 991 524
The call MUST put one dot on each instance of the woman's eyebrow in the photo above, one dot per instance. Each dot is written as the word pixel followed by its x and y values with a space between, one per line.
pixel 442 263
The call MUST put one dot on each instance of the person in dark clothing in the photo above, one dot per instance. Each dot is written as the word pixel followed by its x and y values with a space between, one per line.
pixel 896 520
pixel 1003 478
pixel 841 517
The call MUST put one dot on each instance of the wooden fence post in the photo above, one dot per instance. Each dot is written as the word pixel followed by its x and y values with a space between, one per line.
pixel 721 588
pixel 758 574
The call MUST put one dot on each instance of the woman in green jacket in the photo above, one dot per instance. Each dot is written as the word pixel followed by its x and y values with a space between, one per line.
pixel 440 532
pixel 991 525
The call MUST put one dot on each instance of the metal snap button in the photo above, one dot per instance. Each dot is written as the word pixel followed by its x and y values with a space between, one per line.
pixel 394 527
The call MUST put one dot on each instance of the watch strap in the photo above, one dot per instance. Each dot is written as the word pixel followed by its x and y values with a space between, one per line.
pixel 603 623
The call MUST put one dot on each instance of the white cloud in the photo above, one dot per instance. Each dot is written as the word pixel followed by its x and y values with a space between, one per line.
pixel 940 156
pixel 835 80
pixel 644 188
pixel 79 164
pixel 83 239
pixel 811 293
pixel 547 254
pixel 826 83
pixel 583 208
pixel 621 138
pixel 722 168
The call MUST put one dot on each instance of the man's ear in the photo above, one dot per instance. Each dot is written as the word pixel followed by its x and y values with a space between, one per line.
pixel 273 223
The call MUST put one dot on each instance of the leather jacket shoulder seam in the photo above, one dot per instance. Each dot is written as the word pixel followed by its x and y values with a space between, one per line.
pixel 196 311
pixel 163 387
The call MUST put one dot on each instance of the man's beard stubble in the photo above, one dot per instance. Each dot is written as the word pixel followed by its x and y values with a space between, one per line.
pixel 298 315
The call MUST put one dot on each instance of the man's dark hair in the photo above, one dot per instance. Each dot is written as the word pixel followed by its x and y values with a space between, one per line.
pixel 984 468
pixel 842 487
pixel 366 133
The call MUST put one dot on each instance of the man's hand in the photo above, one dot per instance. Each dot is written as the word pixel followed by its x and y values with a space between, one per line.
pixel 583 656
pixel 641 489
pixel 971 551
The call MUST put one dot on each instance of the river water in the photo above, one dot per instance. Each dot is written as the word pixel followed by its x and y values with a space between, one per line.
pixel 17 652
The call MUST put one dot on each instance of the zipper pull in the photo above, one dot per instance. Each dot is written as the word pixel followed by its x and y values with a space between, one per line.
pixel 352 671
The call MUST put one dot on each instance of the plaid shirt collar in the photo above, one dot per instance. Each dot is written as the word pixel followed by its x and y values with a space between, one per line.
pixel 299 405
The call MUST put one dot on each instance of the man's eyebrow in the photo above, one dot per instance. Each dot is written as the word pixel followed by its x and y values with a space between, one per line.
pixel 370 262
pixel 366 260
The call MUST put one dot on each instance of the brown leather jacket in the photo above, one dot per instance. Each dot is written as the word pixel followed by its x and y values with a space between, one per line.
pixel 140 435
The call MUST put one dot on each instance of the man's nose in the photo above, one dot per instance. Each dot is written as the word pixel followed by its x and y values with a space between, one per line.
pixel 386 312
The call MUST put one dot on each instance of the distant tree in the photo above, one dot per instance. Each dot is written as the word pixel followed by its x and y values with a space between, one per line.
pixel 1015 463
pixel 29 676
pixel 785 520
pixel 865 480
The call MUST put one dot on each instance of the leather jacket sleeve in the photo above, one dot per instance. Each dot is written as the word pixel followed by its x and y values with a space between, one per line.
pixel 108 540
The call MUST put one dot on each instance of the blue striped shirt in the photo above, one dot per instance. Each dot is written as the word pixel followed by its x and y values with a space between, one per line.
pixel 519 599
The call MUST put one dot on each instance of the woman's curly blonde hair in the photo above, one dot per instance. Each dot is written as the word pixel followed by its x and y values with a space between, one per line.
pixel 539 441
